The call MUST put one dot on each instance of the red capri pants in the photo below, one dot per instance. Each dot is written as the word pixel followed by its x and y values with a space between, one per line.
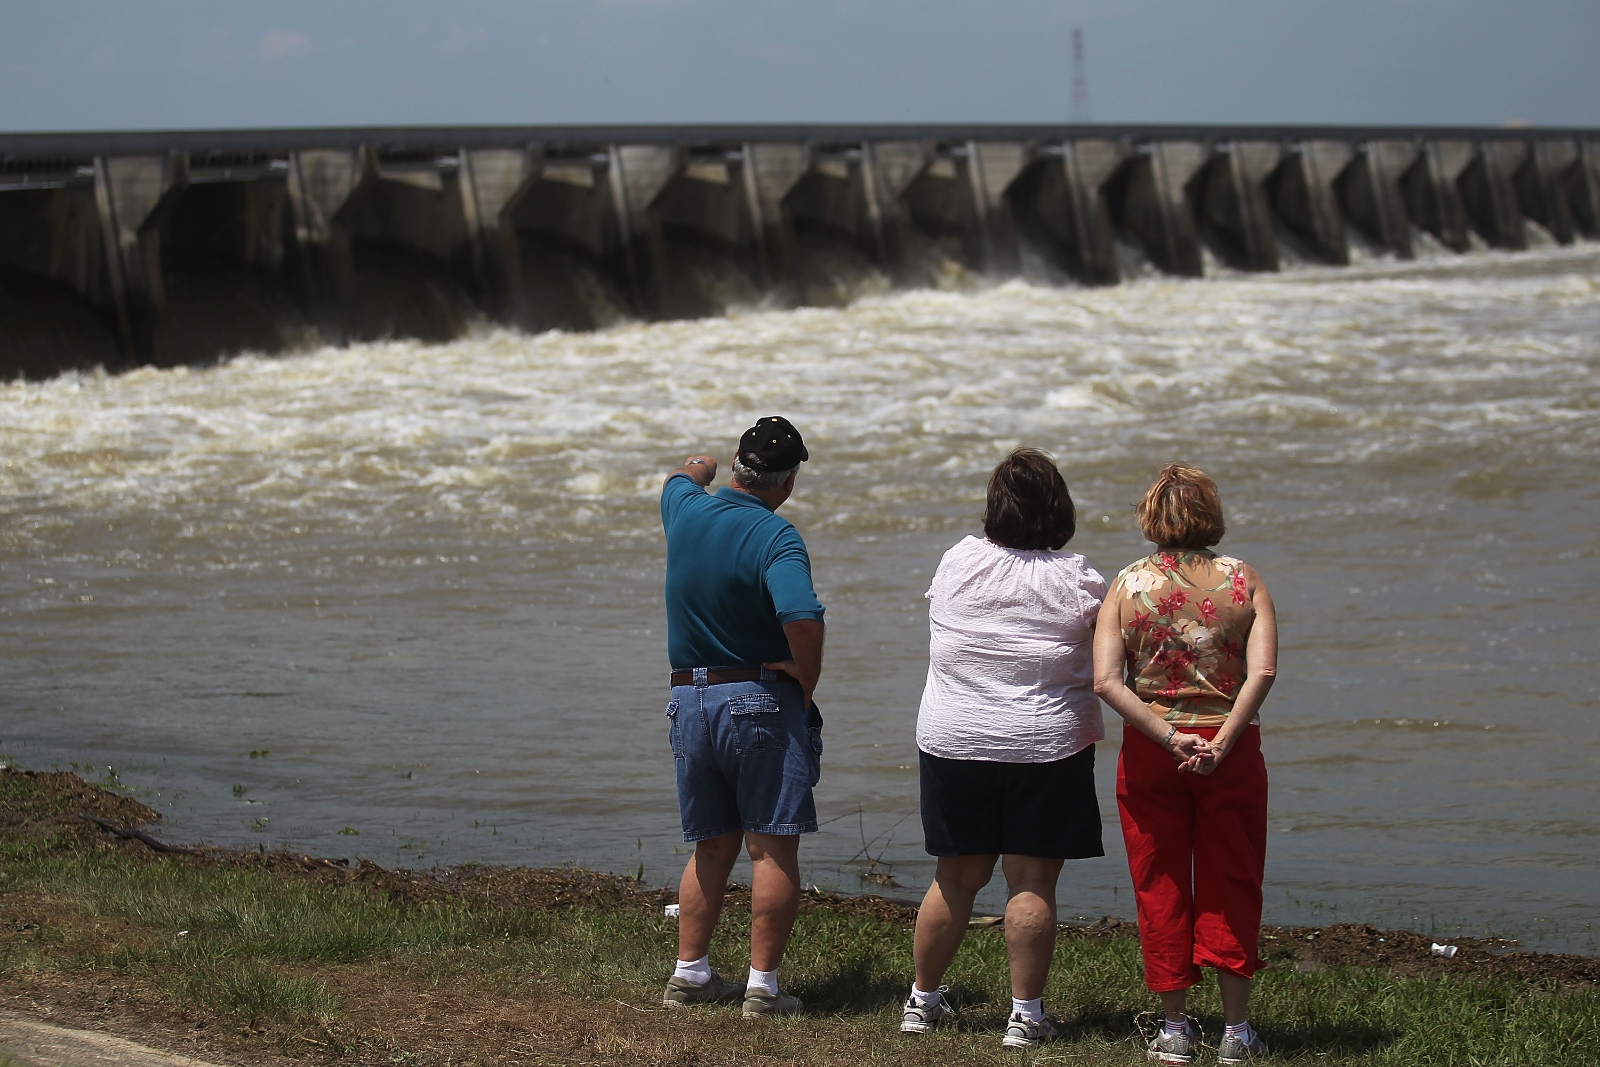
pixel 1197 850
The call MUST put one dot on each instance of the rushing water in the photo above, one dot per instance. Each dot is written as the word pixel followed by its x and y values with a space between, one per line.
pixel 403 601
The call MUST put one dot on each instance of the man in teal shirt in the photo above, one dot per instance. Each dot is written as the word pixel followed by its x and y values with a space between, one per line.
pixel 744 637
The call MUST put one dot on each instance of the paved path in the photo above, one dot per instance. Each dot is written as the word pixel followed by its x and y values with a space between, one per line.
pixel 26 1042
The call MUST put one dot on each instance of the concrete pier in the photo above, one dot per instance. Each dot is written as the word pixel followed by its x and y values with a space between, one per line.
pixel 1583 187
pixel 119 249
pixel 1373 194
pixel 1308 200
pixel 992 167
pixel 492 181
pixel 320 184
pixel 771 173
pixel 565 220
pixel 1432 195
pixel 1155 206
pixel 1061 201
pixel 1489 194
pixel 132 193
pixel 1539 188
pixel 1235 209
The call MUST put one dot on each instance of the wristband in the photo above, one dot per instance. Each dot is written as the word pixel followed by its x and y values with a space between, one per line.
pixel 1170 735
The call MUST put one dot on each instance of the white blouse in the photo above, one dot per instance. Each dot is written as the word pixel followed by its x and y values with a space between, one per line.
pixel 1010 655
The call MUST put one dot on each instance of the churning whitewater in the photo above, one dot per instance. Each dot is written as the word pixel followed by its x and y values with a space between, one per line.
pixel 403 601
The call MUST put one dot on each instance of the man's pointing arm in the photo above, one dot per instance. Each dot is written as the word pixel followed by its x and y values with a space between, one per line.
pixel 702 470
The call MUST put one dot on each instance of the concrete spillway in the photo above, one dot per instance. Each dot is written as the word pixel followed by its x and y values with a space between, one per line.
pixel 122 249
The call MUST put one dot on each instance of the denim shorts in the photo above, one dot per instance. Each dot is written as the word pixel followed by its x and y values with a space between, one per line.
pixel 747 755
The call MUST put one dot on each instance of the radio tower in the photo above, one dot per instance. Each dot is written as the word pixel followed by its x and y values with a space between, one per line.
pixel 1080 80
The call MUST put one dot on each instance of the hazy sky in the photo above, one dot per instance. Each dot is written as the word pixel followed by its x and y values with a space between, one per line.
pixel 81 64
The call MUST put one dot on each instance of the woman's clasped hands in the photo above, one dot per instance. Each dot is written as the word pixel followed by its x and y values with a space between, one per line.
pixel 1195 754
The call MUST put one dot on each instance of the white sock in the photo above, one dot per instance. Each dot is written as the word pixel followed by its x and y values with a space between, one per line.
pixel 925 1000
pixel 763 982
pixel 695 972
pixel 1031 1010
pixel 1240 1030
pixel 1175 1028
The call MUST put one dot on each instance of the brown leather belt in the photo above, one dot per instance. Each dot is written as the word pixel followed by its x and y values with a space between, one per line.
pixel 721 677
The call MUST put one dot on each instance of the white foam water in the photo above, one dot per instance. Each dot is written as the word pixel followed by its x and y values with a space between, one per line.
pixel 426 579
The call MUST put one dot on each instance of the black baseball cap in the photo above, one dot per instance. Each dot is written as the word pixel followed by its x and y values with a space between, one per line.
pixel 772 444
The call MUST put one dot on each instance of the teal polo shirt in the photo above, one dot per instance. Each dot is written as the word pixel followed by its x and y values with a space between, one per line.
pixel 736 572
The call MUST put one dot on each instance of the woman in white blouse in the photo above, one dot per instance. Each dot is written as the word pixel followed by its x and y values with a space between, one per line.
pixel 1006 735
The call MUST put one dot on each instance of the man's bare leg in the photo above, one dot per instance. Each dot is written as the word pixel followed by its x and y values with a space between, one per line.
pixel 774 895
pixel 705 878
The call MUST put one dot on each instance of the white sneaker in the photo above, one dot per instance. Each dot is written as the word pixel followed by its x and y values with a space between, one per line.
pixel 1235 1050
pixel 1022 1032
pixel 919 1020
pixel 1174 1050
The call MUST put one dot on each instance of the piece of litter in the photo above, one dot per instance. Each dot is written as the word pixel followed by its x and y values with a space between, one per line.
pixel 625 1004
pixel 1445 951
pixel 183 933
pixel 670 911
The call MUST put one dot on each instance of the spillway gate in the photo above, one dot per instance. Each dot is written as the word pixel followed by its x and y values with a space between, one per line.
pixel 125 249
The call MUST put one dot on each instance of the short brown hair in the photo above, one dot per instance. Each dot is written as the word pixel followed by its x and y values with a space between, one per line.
pixel 1182 509
pixel 1029 506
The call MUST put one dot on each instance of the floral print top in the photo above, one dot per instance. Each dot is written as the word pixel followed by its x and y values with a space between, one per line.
pixel 1185 618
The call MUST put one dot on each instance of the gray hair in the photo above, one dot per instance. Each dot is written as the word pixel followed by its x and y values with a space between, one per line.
pixel 760 481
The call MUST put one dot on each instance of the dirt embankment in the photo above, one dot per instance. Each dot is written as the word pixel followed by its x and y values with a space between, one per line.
pixel 61 805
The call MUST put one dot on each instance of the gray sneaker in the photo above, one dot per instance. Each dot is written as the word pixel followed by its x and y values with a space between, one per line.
pixel 1022 1032
pixel 919 1020
pixel 1174 1050
pixel 759 1005
pixel 681 993
pixel 1234 1049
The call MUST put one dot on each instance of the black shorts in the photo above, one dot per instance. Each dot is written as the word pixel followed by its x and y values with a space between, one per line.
pixel 980 807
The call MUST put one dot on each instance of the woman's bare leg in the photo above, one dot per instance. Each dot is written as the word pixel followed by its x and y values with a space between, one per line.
pixel 1235 997
pixel 942 919
pixel 1030 922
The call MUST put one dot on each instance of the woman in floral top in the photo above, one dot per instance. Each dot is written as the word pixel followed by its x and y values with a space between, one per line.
pixel 1186 649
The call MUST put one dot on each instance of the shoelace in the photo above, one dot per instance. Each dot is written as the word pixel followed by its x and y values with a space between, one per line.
pixel 1148 1023
pixel 944 1002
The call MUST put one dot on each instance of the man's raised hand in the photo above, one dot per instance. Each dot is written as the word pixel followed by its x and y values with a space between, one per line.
pixel 702 470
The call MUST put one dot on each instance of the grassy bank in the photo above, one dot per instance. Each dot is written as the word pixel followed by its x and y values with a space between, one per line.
pixel 248 958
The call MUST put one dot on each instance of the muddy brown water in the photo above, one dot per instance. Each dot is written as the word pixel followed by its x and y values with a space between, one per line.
pixel 402 601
